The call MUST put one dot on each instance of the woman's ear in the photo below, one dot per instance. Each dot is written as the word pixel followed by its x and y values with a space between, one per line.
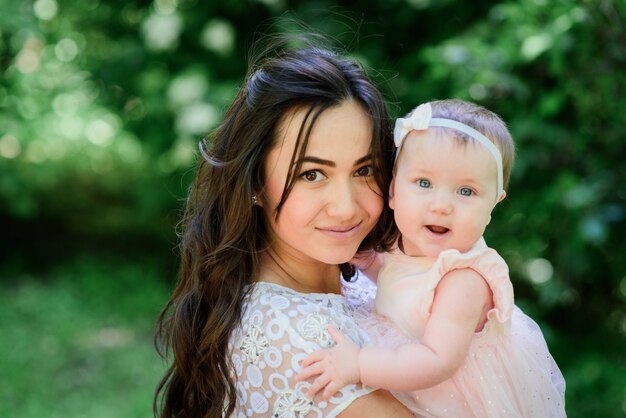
pixel 392 193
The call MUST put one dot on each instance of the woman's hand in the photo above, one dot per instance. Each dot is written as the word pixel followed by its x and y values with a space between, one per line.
pixel 337 366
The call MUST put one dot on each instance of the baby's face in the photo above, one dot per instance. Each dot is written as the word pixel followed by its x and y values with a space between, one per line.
pixel 443 192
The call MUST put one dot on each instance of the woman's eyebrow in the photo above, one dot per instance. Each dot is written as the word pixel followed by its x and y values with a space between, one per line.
pixel 363 159
pixel 317 160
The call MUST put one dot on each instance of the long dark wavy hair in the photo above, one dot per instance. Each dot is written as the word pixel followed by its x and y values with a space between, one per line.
pixel 223 234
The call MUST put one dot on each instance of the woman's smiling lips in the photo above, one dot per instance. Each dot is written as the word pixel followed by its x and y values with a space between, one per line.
pixel 341 232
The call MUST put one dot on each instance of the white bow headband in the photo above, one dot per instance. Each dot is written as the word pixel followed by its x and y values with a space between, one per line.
pixel 421 119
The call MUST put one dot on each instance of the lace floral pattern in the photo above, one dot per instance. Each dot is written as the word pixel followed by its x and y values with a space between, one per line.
pixel 315 327
pixel 254 344
pixel 280 327
pixel 291 404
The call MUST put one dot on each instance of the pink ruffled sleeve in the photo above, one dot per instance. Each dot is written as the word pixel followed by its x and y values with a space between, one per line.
pixel 492 267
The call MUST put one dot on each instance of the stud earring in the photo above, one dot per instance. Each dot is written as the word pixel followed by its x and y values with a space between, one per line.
pixel 255 200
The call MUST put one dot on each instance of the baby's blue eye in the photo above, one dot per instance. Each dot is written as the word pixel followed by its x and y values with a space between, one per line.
pixel 424 183
pixel 466 191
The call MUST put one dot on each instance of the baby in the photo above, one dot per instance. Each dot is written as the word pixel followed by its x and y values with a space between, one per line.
pixel 466 350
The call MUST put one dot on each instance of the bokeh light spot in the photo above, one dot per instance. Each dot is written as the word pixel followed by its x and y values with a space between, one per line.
pixel 161 32
pixel 534 45
pixel 539 270
pixel 197 119
pixel 419 4
pixel 66 50
pixel 273 4
pixel 593 230
pixel 27 61
pixel 187 88
pixel 129 149
pixel 65 104
pixel 70 127
pixel 165 7
pixel 100 132
pixel 45 9
pixel 219 36
pixel 455 54
pixel 9 146
pixel 477 91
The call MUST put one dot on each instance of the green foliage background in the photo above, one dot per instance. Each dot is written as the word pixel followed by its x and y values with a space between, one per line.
pixel 102 104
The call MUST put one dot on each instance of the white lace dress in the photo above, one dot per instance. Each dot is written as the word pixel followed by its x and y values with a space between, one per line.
pixel 280 327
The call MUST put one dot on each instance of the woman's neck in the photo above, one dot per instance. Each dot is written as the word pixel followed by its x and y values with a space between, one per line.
pixel 301 276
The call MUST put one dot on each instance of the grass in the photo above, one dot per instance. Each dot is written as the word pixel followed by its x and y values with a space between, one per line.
pixel 78 342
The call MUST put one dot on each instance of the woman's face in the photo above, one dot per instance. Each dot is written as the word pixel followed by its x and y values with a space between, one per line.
pixel 335 201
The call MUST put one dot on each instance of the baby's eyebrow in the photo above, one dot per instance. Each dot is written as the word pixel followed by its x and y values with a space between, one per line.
pixel 317 160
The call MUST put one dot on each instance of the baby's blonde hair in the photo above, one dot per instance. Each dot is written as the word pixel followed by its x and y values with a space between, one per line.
pixel 484 121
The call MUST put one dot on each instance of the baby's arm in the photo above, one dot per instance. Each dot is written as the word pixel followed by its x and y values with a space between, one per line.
pixel 461 300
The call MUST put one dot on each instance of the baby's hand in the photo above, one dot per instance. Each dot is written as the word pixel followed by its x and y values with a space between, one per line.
pixel 336 367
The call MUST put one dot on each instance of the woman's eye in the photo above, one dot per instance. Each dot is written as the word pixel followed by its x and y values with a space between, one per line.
pixel 365 171
pixel 424 183
pixel 466 191
pixel 312 176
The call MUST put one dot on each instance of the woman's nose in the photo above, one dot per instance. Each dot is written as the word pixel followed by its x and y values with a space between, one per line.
pixel 342 200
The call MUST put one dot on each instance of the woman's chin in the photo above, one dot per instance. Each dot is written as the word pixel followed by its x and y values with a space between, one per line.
pixel 339 257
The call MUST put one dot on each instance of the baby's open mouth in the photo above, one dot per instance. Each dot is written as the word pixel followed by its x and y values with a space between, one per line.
pixel 437 229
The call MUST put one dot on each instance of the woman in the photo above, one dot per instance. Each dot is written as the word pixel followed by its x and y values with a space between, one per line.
pixel 291 186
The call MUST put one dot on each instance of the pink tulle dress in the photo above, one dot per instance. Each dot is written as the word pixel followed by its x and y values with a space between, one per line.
pixel 508 371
